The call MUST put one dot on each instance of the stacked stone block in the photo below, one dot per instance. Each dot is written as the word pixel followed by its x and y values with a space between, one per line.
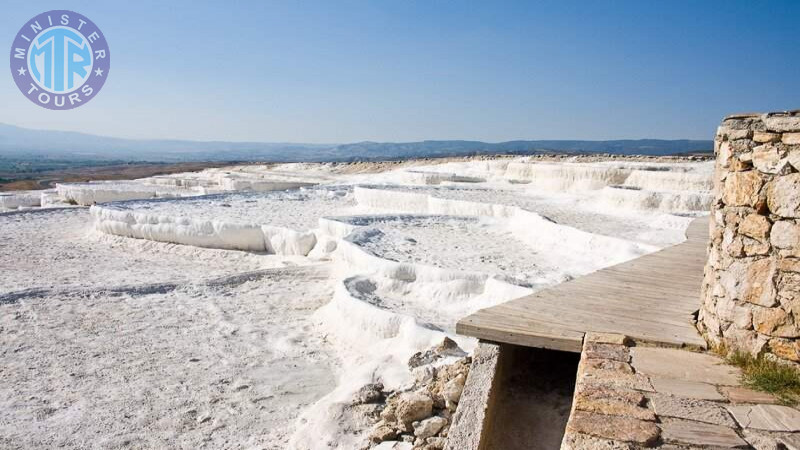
pixel 629 397
pixel 751 290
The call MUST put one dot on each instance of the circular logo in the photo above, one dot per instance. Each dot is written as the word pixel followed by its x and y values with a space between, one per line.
pixel 60 60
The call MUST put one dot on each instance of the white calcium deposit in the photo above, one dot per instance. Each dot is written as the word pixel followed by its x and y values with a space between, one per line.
pixel 22 199
pixel 210 181
pixel 243 307
pixel 277 222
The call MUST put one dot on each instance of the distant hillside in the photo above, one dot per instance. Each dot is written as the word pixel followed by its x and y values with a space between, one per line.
pixel 387 150
pixel 16 142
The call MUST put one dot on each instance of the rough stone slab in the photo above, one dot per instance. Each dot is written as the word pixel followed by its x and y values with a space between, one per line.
pixel 794 159
pixel 617 379
pixel 593 350
pixel 614 428
pixel 470 419
pixel 613 402
pixel 783 195
pixel 764 137
pixel 756 226
pixel 591 392
pixel 767 417
pixel 782 123
pixel 686 389
pixel 394 445
pixel 607 338
pixel 741 188
pixel 739 134
pixel 684 365
pixel 682 447
pixel 791 442
pixel 770 440
pixel 767 159
pixel 742 115
pixel 689 409
pixel 606 364
pixel 791 138
pixel 575 441
pixel 687 432
pixel 786 236
pixel 741 394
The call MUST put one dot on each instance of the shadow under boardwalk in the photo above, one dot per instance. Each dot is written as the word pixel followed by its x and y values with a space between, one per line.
pixel 533 399
pixel 652 299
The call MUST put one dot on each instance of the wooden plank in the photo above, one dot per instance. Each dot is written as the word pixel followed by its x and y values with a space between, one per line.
pixel 562 340
pixel 612 321
pixel 672 333
pixel 651 299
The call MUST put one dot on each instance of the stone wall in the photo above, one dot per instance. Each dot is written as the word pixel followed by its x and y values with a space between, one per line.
pixel 751 290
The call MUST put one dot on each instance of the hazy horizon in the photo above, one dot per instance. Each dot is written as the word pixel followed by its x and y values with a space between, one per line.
pixel 432 139
pixel 24 144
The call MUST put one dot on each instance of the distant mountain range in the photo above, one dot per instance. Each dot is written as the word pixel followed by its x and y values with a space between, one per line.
pixel 19 142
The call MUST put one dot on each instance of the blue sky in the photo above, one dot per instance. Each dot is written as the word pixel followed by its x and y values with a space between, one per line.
pixel 343 71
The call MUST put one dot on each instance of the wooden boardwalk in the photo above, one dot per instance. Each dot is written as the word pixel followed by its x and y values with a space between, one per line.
pixel 651 299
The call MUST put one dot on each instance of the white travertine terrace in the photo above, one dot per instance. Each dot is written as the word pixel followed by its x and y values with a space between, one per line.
pixel 396 260
pixel 22 199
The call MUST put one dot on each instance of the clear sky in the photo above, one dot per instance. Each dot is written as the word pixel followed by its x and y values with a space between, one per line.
pixel 343 71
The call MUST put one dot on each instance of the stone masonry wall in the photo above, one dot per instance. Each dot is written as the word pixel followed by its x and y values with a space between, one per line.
pixel 751 290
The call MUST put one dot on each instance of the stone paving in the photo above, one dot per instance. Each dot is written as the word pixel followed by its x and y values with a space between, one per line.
pixel 630 397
